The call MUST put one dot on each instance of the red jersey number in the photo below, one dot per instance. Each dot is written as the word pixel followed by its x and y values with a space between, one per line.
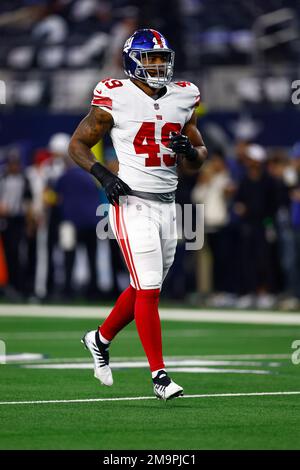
pixel 147 133
pixel 183 84
pixel 111 83
pixel 144 143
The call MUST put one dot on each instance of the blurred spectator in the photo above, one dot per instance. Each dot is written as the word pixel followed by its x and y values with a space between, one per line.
pixel 37 176
pixel 295 215
pixel 181 280
pixel 236 163
pixel 15 208
pixel 53 169
pixel 285 178
pixel 213 189
pixel 118 265
pixel 125 26
pixel 37 180
pixel 25 16
pixel 51 30
pixel 255 204
pixel 78 199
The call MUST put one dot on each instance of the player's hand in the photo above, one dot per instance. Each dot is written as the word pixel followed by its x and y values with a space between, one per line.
pixel 180 144
pixel 113 186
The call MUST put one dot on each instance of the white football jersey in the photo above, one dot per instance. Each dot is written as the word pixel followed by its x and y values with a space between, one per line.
pixel 142 128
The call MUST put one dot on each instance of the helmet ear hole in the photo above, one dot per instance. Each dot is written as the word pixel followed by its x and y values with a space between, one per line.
pixel 136 59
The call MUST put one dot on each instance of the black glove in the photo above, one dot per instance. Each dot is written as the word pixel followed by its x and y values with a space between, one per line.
pixel 113 186
pixel 180 144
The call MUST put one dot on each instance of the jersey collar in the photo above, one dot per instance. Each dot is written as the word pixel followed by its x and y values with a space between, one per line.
pixel 140 92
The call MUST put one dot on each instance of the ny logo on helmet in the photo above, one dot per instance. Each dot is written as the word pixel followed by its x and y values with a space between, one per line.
pixel 128 44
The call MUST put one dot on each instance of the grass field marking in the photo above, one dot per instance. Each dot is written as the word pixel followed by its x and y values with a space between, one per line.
pixel 22 357
pixel 248 356
pixel 2 352
pixel 95 400
pixel 213 370
pixel 233 359
pixel 198 370
pixel 186 333
pixel 144 364
pixel 178 358
pixel 211 316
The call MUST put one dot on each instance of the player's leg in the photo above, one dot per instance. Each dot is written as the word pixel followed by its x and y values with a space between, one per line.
pixel 164 387
pixel 123 311
pixel 140 241
pixel 140 223
pixel 97 341
pixel 120 316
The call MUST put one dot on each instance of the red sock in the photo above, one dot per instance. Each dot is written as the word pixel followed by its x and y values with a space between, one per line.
pixel 121 314
pixel 148 325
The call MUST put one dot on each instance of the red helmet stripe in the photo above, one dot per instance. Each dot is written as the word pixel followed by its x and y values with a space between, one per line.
pixel 158 37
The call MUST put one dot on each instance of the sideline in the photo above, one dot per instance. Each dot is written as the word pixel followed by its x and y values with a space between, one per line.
pixel 208 316
pixel 95 400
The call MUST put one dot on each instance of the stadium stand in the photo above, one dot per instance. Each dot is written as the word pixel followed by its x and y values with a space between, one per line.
pixel 243 56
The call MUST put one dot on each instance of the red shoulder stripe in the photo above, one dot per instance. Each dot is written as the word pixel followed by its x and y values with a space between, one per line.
pixel 102 101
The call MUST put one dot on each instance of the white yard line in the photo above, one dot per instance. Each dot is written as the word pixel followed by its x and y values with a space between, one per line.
pixel 170 358
pixel 213 370
pixel 21 357
pixel 243 358
pixel 247 356
pixel 210 316
pixel 187 369
pixel 132 364
pixel 95 400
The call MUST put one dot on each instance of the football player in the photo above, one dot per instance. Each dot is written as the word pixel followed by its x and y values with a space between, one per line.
pixel 152 123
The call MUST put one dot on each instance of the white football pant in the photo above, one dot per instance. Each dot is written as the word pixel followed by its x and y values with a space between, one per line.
pixel 147 235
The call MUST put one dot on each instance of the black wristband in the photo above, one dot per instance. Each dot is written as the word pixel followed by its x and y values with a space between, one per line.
pixel 101 173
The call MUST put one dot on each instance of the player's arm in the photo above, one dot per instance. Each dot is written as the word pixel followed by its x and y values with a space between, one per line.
pixel 90 130
pixel 190 145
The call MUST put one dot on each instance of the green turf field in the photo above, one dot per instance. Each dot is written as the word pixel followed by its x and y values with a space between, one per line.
pixel 206 359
